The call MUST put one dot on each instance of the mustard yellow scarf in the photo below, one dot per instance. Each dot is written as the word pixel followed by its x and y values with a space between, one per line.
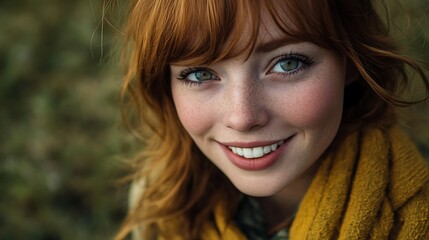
pixel 374 187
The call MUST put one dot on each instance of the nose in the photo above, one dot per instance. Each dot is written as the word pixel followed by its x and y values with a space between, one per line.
pixel 245 106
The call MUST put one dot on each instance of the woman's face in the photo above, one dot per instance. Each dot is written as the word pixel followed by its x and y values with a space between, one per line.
pixel 263 121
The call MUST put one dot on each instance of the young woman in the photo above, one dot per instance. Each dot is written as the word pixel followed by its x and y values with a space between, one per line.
pixel 270 120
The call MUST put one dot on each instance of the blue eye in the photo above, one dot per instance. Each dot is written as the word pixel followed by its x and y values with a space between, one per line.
pixel 197 75
pixel 200 75
pixel 291 63
pixel 286 65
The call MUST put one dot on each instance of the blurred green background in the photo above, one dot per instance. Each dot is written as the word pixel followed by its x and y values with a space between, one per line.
pixel 61 138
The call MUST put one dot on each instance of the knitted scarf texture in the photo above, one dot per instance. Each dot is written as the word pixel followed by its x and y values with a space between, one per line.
pixel 375 186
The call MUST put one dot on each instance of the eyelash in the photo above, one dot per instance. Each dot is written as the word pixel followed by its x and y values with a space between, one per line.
pixel 306 61
pixel 186 72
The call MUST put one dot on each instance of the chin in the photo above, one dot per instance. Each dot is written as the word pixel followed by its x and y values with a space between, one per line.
pixel 260 192
pixel 259 189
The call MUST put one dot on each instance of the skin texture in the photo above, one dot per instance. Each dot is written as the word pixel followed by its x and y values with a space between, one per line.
pixel 252 101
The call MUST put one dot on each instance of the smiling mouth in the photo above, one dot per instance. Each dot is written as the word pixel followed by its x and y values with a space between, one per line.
pixel 256 152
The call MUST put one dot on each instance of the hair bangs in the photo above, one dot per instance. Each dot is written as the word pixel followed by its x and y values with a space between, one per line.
pixel 306 20
pixel 210 31
pixel 206 32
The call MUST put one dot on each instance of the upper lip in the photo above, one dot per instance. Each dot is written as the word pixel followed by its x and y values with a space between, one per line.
pixel 252 144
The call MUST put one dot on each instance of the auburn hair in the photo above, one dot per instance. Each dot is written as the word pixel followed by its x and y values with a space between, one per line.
pixel 181 187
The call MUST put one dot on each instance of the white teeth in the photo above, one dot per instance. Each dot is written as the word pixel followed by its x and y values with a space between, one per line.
pixel 247 152
pixel 274 147
pixel 256 152
pixel 267 149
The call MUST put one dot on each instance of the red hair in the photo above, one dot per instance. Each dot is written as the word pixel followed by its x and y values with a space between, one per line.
pixel 181 186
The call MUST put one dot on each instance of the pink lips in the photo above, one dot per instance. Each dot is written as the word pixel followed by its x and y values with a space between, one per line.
pixel 254 164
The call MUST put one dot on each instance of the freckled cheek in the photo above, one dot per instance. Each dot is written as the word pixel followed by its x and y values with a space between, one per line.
pixel 316 106
pixel 194 115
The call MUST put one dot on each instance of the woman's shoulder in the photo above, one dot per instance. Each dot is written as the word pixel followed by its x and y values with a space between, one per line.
pixel 409 170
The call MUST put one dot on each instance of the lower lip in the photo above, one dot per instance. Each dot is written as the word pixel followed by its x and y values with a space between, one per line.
pixel 255 164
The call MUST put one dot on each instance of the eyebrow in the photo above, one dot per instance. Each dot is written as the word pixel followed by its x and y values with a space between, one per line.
pixel 274 44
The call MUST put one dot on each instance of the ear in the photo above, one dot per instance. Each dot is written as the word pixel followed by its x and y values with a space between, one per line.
pixel 352 74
